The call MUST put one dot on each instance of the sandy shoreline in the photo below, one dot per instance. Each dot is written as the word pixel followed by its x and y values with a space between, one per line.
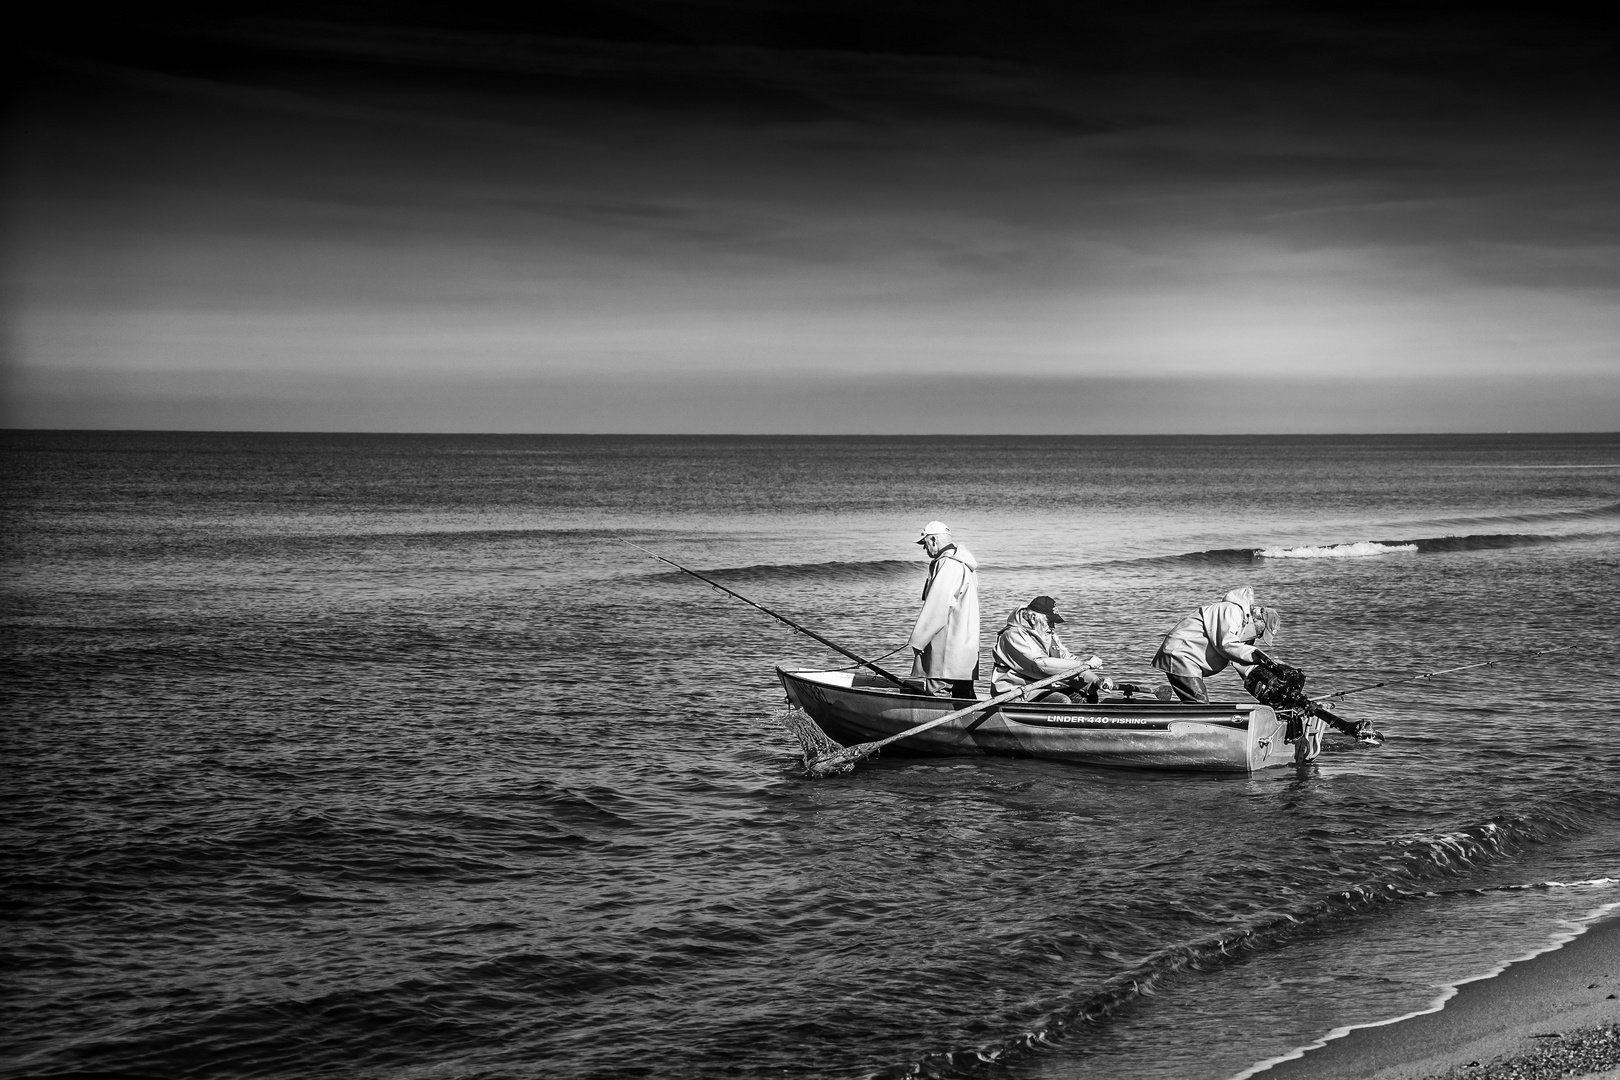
pixel 1516 1023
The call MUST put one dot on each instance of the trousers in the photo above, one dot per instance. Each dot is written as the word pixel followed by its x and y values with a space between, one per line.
pixel 1189 688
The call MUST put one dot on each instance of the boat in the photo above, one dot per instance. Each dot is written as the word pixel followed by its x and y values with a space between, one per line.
pixel 1135 733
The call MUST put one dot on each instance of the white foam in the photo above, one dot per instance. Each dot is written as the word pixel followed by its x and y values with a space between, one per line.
pixel 1565 884
pixel 1364 549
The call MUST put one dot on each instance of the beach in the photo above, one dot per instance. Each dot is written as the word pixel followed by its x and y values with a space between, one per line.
pixel 1554 1014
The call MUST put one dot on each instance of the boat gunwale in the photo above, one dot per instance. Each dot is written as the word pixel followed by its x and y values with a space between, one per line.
pixel 1213 712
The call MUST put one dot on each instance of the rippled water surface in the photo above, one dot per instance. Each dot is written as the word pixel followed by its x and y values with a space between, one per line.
pixel 379 756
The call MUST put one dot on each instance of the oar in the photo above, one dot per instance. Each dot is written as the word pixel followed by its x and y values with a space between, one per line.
pixel 779 618
pixel 844 758
pixel 1442 671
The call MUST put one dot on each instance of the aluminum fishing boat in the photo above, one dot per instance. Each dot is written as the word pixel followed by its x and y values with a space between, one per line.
pixel 1221 736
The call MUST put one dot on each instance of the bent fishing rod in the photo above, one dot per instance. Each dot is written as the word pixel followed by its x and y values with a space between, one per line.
pixel 1442 671
pixel 783 619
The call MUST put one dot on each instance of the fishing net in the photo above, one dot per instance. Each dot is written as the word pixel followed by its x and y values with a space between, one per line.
pixel 822 756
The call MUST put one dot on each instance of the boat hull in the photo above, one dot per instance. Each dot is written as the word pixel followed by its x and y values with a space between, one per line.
pixel 1237 737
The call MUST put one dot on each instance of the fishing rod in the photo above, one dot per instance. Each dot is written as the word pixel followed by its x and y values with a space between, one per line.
pixel 779 618
pixel 1442 671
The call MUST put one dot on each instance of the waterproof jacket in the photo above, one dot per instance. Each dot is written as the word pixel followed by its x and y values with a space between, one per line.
pixel 947 630
pixel 1206 641
pixel 1027 650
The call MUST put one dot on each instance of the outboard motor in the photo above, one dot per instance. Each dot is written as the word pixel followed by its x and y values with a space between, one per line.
pixel 1280 686
pixel 1283 688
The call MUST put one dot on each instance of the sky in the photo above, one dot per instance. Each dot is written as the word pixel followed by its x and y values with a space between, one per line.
pixel 785 216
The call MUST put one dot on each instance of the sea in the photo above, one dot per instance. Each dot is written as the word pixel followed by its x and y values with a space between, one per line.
pixel 383 756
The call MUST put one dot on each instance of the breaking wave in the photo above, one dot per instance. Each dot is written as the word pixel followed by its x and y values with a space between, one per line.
pixel 1428 545
pixel 1362 550
pixel 1553 943
pixel 1409 876
pixel 1589 883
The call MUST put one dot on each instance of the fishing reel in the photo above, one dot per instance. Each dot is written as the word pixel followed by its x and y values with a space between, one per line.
pixel 1127 692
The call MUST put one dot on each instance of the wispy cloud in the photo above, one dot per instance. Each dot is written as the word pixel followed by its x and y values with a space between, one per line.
pixel 392 202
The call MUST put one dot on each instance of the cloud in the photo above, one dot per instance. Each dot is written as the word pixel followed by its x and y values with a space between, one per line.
pixel 719 191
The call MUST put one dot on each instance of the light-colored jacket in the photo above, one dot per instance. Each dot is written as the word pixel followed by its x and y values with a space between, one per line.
pixel 1026 650
pixel 947 630
pixel 1206 641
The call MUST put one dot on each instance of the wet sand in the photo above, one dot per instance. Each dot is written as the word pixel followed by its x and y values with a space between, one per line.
pixel 1551 1015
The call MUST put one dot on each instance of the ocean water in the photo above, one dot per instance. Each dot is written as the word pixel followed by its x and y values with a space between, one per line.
pixel 378 756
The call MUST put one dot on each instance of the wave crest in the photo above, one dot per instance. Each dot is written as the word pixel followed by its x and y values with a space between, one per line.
pixel 1426 860
pixel 1361 550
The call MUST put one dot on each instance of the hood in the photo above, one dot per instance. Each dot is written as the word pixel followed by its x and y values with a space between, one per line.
pixel 1022 617
pixel 1266 623
pixel 962 555
pixel 1243 596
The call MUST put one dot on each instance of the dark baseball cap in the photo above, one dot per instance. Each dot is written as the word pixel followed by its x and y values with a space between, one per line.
pixel 1046 606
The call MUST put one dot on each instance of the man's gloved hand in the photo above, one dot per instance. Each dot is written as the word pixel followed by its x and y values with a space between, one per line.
pixel 1094 661
pixel 1265 661
pixel 1089 684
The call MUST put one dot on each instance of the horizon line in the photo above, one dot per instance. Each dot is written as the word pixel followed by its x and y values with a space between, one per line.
pixel 812 435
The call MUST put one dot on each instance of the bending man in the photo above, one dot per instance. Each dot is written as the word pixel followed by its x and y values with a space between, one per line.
pixel 946 637
pixel 1209 639
pixel 1028 648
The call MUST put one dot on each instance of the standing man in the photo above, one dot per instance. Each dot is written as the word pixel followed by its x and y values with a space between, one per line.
pixel 1212 637
pixel 946 637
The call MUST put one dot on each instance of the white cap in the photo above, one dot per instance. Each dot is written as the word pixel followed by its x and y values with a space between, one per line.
pixel 935 528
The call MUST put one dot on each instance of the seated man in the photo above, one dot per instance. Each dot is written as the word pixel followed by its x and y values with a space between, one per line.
pixel 1028 649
